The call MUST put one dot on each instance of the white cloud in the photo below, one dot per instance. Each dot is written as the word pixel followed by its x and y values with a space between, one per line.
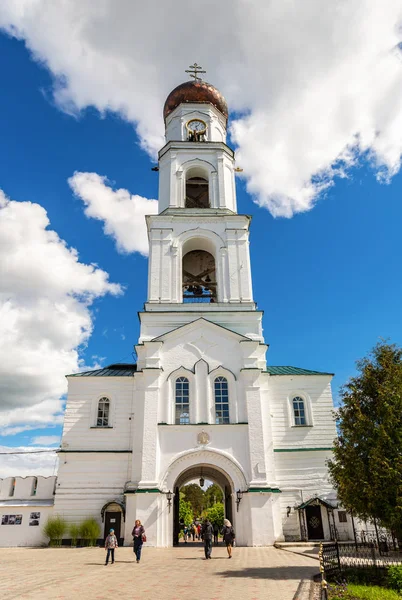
pixel 22 462
pixel 319 85
pixel 123 214
pixel 45 318
pixel 45 440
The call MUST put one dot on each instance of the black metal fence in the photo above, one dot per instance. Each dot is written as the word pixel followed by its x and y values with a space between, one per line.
pixel 336 558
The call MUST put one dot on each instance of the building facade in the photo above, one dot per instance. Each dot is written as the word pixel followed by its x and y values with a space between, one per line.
pixel 201 401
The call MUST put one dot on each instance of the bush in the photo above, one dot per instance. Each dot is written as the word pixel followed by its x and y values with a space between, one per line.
pixel 394 577
pixel 74 531
pixel 54 529
pixel 90 531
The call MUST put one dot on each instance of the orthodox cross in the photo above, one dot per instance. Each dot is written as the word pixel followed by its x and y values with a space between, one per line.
pixel 194 69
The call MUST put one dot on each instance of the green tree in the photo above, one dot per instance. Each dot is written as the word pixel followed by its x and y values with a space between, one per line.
pixel 216 514
pixel 213 494
pixel 367 465
pixel 195 495
pixel 185 512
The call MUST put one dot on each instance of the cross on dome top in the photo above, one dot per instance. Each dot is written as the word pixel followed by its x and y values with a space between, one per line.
pixel 193 70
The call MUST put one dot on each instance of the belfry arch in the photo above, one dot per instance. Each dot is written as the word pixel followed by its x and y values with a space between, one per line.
pixel 199 270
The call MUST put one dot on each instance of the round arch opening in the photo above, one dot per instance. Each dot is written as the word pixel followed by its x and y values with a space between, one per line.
pixel 207 472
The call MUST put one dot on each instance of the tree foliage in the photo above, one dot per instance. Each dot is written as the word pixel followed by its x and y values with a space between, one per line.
pixel 186 515
pixel 213 494
pixel 195 495
pixel 216 514
pixel 367 465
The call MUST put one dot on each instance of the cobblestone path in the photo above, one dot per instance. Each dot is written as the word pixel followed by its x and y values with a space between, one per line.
pixel 163 574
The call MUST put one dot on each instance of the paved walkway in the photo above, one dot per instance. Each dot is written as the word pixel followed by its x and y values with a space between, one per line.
pixel 163 574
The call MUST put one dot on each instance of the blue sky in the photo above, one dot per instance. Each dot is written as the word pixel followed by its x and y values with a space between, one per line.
pixel 328 280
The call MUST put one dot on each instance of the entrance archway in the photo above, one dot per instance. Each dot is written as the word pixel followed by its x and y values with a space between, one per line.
pixel 208 472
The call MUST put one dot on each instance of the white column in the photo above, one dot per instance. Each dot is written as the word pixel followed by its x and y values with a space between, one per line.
pixel 251 386
pixel 233 266
pixel 202 400
pixel 150 386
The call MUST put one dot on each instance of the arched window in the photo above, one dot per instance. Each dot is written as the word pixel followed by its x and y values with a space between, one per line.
pixel 197 192
pixel 199 277
pixel 103 413
pixel 221 401
pixel 182 401
pixel 299 411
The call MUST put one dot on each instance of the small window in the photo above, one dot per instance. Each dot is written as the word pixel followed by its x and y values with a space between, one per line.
pixel 12 487
pixel 103 413
pixel 221 401
pixel 299 411
pixel 182 401
pixel 342 516
pixel 34 486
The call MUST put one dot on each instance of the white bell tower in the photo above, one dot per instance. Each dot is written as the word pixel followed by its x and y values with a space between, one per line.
pixel 199 262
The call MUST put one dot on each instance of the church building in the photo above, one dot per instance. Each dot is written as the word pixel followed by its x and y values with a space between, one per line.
pixel 201 403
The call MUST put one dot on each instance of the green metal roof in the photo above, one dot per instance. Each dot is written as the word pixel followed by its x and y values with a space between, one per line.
pixel 293 371
pixel 116 370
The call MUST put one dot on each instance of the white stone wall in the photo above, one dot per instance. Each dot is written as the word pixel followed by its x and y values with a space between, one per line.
pixel 24 534
pixel 32 488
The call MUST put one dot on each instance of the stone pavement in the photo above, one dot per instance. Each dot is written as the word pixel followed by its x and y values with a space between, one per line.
pixel 163 574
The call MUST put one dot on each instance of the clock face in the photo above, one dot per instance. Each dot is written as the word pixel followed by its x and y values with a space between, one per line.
pixel 197 125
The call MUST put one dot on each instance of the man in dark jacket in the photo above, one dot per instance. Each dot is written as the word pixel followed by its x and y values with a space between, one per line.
pixel 207 533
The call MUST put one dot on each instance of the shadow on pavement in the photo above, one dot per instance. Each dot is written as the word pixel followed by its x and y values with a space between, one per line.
pixel 271 573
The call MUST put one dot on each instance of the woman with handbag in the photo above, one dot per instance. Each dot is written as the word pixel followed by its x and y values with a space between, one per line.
pixel 139 537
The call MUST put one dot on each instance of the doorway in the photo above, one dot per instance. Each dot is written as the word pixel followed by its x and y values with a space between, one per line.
pixel 315 530
pixel 113 521
pixel 218 501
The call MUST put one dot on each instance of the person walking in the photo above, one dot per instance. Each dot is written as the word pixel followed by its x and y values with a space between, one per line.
pixel 229 536
pixel 110 546
pixel 185 533
pixel 139 537
pixel 199 531
pixel 193 531
pixel 216 534
pixel 207 533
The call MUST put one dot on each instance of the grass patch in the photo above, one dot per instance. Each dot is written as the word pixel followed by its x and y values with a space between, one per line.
pixel 364 592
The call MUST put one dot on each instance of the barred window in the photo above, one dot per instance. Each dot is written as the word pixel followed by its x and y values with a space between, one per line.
pixel 103 413
pixel 182 401
pixel 299 411
pixel 342 516
pixel 221 401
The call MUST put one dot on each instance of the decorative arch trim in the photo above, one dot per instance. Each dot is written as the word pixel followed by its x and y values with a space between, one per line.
pixel 219 459
pixel 120 504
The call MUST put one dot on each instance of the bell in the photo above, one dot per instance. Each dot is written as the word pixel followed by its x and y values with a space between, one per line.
pixel 207 279
pixel 197 290
pixel 190 289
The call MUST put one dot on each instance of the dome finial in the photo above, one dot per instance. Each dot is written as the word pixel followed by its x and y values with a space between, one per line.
pixel 193 70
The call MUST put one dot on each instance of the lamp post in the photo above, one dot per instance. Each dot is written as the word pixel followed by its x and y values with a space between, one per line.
pixel 239 496
pixel 169 499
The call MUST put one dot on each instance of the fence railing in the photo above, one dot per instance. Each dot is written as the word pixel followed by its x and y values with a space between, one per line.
pixel 337 557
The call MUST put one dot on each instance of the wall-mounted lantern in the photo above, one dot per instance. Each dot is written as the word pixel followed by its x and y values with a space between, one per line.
pixel 239 496
pixel 169 499
pixel 288 510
